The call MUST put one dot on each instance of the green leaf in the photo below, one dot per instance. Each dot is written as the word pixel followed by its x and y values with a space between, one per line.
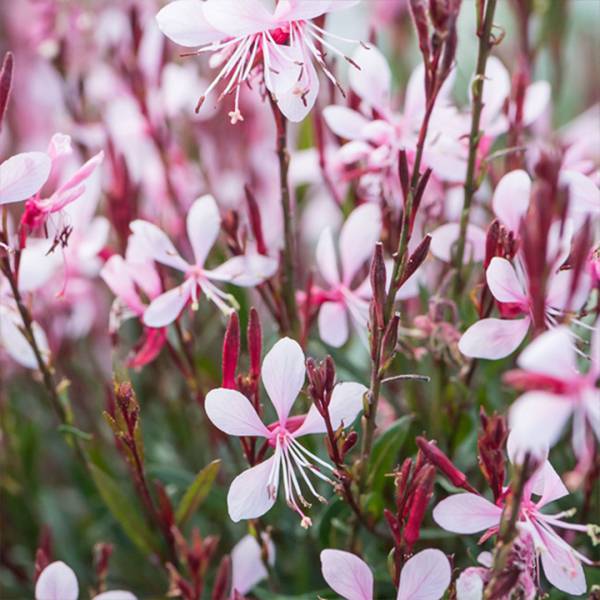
pixel 197 492
pixel 385 451
pixel 72 430
pixel 123 510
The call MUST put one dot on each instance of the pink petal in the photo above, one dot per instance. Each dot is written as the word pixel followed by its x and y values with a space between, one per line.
pixel 425 576
pixel 57 582
pixel 247 568
pixel 346 403
pixel 503 282
pixel 511 198
pixel 552 353
pixel 358 237
pixel 347 575
pixel 15 344
pixel 584 196
pixel 249 496
pixel 493 338
pixel 466 513
pixel 157 245
pixel 283 374
pixel 345 122
pixel 373 81
pixel 558 291
pixel 548 485
pixel 444 238
pixel 23 175
pixel 115 274
pixel 183 22
pixel 561 568
pixel 333 323
pixel 237 18
pixel 469 586
pixel 537 99
pixel 115 595
pixel 246 271
pixel 233 413
pixel 203 226
pixel 495 89
pixel 164 309
pixel 294 10
pixel 326 258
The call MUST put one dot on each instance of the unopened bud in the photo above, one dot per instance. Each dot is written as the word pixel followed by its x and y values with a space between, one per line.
pixel 437 458
pixel 254 336
pixel 231 351
pixel 378 283
pixel 349 443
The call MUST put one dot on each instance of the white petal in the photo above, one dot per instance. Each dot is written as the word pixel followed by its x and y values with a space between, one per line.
pixel 233 413
pixel 345 122
pixel 164 309
pixel 326 257
pixel 247 568
pixel 511 198
pixel 157 245
pixel 373 81
pixel 248 496
pixel 444 238
pixel 466 513
pixel 115 595
pixel 57 582
pixel 23 175
pixel 493 338
pixel 246 271
pixel 503 281
pixel 347 575
pixel 425 576
pixel 552 353
pixel 203 226
pixel 237 18
pixel 537 99
pixel 333 323
pixel 183 22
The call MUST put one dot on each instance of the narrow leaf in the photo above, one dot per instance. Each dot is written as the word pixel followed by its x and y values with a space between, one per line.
pixel 197 492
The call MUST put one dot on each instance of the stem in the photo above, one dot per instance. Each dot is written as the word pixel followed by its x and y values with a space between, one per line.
pixel 485 45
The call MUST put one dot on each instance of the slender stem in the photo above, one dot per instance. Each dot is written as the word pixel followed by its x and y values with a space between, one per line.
pixel 485 45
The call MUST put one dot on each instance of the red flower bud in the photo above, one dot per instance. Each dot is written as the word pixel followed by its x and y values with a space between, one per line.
pixel 437 458
pixel 254 335
pixel 378 283
pixel 5 83
pixel 231 352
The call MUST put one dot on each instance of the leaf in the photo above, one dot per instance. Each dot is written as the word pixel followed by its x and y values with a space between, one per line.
pixel 72 430
pixel 385 451
pixel 123 510
pixel 197 492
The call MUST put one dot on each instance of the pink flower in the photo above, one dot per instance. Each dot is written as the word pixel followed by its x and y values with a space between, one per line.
pixel 23 175
pixel 496 338
pixel 58 582
pixel 537 418
pixel 470 513
pixel 203 226
pixel 247 567
pixel 344 299
pixel 425 576
pixel 254 492
pixel 240 34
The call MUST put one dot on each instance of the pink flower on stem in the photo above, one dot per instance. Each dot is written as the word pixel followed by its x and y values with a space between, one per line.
pixel 58 582
pixel 23 175
pixel 253 492
pixel 496 338
pixel 471 513
pixel 243 34
pixel 203 226
pixel 425 576
pixel 558 392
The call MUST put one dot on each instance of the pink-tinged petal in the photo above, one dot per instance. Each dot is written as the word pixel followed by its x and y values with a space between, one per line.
pixel 345 122
pixel 60 145
pixel 164 309
pixel 469 586
pixel 233 413
pixel 511 198
pixel 425 576
pixel 245 271
pixel 15 344
pixel 333 323
pixel 37 267
pixel 561 567
pixel 493 338
pixel 247 567
pixel 326 258
pixel 503 282
pixel 203 226
pixel 552 353
pixel 115 274
pixel 283 374
pixel 354 151
pixel 115 595
pixel 57 582
pixel 547 484
pixel 249 495
pixel 237 18
pixel 537 420
pixel 373 81
pixel 23 175
pixel 346 403
pixel 444 238
pixel 294 10
pixel 358 237
pixel 347 575
pixel 495 90
pixel 466 513
pixel 537 99
pixel 183 22
pixel 558 291
pixel 157 245
pixel 591 406
pixel 148 347
pixel 584 196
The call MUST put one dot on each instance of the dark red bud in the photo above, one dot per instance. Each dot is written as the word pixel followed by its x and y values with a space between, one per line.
pixel 417 258
pixel 254 342
pixel 378 283
pixel 255 221
pixel 5 83
pixel 436 457
pixel 349 442
pixel 418 505
pixel 231 351
pixel 222 580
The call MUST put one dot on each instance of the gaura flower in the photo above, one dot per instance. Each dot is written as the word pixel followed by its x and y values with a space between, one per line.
pixel 242 34
pixel 247 567
pixel 58 582
pixel 425 576
pixel 254 492
pixel 23 175
pixel 203 226
pixel 558 392
pixel 496 338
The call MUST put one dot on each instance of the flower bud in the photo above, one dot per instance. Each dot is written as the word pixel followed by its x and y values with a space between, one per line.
pixel 255 221
pixel 378 284
pixel 231 352
pixel 254 335
pixel 437 458
pixel 5 83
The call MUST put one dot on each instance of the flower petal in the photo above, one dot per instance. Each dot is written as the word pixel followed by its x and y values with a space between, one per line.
pixel 444 238
pixel 15 343
pixel 115 595
pixel 552 353
pixel 466 513
pixel 326 258
pixel 511 198
pixel 373 81
pixel 237 18
pixel 57 582
pixel 469 586
pixel 164 309
pixel 249 496
pixel 23 175
pixel 345 122
pixel 425 576
pixel 503 281
pixel 203 226
pixel 246 271
pixel 537 98
pixel 283 374
pixel 347 575
pixel 294 10
pixel 333 323
pixel 183 22
pixel 493 338
pixel 247 568
pixel 233 413
pixel 156 245
pixel 561 567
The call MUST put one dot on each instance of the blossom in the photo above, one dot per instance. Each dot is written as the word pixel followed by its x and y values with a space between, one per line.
pixel 558 392
pixel 240 34
pixel 23 175
pixel 58 582
pixel 425 576
pixel 467 513
pixel 203 225
pixel 247 567
pixel 253 492
pixel 496 338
